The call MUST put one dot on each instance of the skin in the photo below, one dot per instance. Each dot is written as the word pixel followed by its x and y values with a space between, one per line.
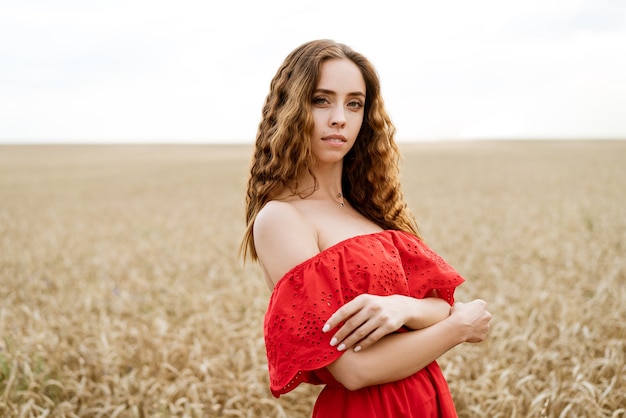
pixel 290 230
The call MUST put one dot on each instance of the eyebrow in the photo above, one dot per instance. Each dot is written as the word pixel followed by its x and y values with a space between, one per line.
pixel 330 92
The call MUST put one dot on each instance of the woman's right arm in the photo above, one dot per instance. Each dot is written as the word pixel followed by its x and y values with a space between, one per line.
pixel 283 239
pixel 397 356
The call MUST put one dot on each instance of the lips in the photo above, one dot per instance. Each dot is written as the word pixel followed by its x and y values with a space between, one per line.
pixel 334 138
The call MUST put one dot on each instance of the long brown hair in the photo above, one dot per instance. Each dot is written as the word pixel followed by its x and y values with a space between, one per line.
pixel 370 179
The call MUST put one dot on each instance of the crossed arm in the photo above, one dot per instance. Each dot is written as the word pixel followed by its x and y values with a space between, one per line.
pixel 393 356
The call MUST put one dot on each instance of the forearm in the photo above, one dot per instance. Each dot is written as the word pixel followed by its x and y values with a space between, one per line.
pixel 426 312
pixel 396 356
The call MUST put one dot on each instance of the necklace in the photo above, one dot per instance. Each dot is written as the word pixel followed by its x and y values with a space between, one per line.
pixel 340 196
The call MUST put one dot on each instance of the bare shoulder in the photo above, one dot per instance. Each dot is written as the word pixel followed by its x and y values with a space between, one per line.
pixel 283 238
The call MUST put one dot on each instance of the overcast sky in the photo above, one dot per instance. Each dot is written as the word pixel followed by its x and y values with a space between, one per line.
pixel 199 70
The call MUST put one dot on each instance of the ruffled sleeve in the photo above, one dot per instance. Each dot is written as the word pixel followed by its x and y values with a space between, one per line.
pixel 426 270
pixel 390 262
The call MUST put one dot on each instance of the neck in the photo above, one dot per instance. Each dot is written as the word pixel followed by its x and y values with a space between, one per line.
pixel 328 184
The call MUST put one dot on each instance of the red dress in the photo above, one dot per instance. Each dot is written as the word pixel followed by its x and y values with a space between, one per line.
pixel 383 263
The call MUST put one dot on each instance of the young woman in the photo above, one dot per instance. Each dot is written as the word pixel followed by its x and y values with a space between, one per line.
pixel 360 303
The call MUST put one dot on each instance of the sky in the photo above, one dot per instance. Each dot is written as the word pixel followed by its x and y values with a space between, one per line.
pixel 198 71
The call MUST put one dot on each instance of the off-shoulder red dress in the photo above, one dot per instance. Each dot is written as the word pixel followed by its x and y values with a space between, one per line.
pixel 383 263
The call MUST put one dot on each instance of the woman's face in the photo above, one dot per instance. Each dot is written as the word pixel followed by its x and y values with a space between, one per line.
pixel 338 104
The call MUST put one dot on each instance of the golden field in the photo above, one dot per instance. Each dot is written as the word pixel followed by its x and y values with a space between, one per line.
pixel 121 294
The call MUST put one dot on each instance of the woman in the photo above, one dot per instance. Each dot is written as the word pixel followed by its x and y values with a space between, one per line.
pixel 359 302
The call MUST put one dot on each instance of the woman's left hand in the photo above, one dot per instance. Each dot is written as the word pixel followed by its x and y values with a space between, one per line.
pixel 367 318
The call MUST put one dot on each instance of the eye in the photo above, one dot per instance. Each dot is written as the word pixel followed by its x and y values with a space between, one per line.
pixel 320 100
pixel 355 104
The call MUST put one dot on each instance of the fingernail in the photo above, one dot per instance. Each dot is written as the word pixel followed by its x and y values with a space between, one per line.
pixel 326 328
pixel 357 348
pixel 333 341
pixel 341 347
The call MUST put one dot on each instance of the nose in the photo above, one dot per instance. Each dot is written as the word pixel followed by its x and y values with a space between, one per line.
pixel 338 117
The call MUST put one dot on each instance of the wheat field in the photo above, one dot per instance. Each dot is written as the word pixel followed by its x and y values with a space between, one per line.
pixel 121 294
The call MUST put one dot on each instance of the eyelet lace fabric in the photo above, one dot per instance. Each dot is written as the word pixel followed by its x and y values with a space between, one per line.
pixel 384 263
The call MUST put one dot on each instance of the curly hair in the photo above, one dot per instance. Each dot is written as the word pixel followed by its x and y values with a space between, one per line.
pixel 370 178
